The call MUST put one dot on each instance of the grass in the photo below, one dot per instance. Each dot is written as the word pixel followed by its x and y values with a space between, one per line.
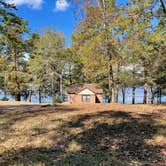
pixel 82 135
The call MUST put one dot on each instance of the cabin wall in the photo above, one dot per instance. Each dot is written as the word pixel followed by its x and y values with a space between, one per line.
pixel 77 98
pixel 92 98
pixel 74 98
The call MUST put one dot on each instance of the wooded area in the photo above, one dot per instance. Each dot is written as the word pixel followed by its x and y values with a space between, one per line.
pixel 114 45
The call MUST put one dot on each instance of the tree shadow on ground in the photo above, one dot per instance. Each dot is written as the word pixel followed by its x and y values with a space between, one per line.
pixel 34 108
pixel 123 141
pixel 18 113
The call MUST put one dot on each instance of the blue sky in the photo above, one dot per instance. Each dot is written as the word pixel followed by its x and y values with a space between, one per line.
pixel 48 13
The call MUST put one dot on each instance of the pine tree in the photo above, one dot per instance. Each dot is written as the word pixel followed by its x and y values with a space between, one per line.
pixel 13 49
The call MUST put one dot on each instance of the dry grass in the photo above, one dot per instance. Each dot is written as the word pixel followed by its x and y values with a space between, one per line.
pixel 83 135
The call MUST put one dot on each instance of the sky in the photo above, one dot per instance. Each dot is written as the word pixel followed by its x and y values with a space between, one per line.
pixel 47 13
pixel 58 14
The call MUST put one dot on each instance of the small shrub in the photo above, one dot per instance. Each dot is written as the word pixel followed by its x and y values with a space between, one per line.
pixel 57 99
pixel 4 99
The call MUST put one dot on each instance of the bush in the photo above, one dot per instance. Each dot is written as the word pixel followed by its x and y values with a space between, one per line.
pixel 4 99
pixel 57 99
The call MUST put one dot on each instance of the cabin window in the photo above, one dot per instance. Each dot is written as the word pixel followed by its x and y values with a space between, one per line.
pixel 85 98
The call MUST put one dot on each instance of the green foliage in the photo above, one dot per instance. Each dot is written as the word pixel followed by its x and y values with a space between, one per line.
pixel 13 49
pixel 93 43
pixel 4 99
pixel 1 82
pixel 47 61
pixel 57 99
pixel 113 45
pixel 121 44
pixel 160 74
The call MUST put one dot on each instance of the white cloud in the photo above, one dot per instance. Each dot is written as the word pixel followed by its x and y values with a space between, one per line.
pixel 35 4
pixel 61 5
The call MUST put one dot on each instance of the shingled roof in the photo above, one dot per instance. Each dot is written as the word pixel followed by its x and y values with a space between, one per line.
pixel 77 88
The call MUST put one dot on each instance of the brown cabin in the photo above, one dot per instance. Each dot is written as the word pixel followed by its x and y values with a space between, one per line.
pixel 88 93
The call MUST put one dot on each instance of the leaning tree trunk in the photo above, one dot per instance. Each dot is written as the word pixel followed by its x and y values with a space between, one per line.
pixel 133 94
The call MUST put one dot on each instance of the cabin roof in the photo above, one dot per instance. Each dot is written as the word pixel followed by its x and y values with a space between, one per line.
pixel 77 88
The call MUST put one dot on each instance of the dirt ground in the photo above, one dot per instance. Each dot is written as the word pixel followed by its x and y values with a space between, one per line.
pixel 82 134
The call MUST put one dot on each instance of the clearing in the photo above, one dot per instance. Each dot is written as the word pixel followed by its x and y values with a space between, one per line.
pixel 82 135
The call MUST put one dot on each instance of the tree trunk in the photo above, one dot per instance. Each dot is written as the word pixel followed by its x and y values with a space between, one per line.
pixel 26 95
pixel 116 86
pixel 60 87
pixel 70 76
pixel 53 90
pixel 152 95
pixel 70 80
pixel 18 97
pixel 123 94
pixel 160 94
pixel 39 96
pixel 5 93
pixel 29 96
pixel 108 52
pixel 133 94
pixel 5 87
pixel 145 93
pixel 116 94
pixel 111 84
pixel 145 86
pixel 17 93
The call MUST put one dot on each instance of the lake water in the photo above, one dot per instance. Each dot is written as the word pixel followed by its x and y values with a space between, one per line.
pixel 128 98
